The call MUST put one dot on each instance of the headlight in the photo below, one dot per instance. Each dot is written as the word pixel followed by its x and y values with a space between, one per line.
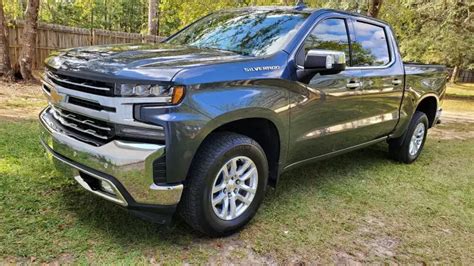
pixel 172 94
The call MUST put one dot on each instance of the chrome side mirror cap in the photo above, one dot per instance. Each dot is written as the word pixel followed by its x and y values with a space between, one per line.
pixel 325 61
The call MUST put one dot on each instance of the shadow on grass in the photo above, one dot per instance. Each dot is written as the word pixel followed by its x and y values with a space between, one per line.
pixel 106 219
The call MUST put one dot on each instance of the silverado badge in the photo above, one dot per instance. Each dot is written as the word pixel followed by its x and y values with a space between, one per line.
pixel 262 68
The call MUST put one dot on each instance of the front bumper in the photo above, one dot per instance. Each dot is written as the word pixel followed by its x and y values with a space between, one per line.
pixel 126 166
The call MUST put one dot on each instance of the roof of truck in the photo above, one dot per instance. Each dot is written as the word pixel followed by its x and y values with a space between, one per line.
pixel 299 9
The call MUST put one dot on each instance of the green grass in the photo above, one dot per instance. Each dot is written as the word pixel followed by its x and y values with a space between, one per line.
pixel 460 90
pixel 356 207
pixel 22 103
pixel 458 105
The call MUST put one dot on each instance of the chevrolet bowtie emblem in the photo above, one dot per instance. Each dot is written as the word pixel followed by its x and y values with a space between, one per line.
pixel 55 96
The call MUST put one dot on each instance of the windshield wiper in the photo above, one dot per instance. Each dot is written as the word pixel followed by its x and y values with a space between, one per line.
pixel 222 50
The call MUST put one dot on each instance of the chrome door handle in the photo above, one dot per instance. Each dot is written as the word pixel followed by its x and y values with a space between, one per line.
pixel 396 82
pixel 354 85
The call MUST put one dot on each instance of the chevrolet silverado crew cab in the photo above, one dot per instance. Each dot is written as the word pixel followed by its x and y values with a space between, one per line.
pixel 203 122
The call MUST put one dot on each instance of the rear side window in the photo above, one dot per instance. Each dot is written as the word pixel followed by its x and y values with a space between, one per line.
pixel 371 46
pixel 329 34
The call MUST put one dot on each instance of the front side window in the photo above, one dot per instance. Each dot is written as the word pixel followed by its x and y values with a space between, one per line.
pixel 246 32
pixel 329 34
pixel 371 46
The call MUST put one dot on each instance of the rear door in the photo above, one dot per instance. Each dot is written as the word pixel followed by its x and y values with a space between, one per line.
pixel 380 75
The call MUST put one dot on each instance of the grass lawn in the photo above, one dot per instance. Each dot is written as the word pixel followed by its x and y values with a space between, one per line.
pixel 458 105
pixel 357 207
pixel 460 90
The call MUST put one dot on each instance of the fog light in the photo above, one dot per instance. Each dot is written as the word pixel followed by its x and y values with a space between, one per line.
pixel 106 187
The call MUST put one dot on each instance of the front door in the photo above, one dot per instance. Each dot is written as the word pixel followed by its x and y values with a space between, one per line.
pixel 326 112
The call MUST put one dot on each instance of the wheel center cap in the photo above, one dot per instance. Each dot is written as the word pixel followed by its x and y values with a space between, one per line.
pixel 231 185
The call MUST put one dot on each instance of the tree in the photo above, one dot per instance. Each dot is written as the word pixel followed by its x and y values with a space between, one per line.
pixel 438 32
pixel 374 8
pixel 5 64
pixel 152 18
pixel 28 40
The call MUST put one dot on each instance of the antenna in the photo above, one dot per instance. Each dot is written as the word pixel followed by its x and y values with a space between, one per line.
pixel 300 5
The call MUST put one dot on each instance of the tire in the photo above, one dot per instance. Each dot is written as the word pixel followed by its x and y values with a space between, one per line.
pixel 403 149
pixel 208 172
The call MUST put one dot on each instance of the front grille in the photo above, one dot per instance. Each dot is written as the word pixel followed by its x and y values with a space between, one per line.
pixel 84 128
pixel 89 104
pixel 79 84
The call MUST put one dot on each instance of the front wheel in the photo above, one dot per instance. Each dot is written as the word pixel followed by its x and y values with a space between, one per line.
pixel 407 148
pixel 226 184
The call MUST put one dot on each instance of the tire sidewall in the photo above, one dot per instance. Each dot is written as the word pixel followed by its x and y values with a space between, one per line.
pixel 256 154
pixel 418 118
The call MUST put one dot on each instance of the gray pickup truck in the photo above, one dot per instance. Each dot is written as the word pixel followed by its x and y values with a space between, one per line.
pixel 203 122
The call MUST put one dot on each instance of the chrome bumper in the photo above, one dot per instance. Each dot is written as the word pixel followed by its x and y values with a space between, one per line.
pixel 437 119
pixel 127 166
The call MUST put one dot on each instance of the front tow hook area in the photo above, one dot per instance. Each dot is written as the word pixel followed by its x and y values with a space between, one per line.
pixel 101 187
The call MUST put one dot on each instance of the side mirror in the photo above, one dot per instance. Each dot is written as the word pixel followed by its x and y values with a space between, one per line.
pixel 325 61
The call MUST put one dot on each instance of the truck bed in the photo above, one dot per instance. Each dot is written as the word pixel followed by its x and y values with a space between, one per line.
pixel 426 77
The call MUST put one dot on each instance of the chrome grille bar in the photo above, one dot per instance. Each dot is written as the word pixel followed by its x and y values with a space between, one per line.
pixel 85 122
pixel 65 123
pixel 53 77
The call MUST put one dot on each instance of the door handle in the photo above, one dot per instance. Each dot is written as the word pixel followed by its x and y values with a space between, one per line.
pixel 396 82
pixel 354 85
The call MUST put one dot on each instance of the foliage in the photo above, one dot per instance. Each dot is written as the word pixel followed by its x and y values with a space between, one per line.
pixel 120 15
pixel 428 31
pixel 14 8
pixel 433 31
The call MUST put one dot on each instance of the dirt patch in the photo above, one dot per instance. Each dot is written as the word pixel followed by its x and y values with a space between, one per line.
pixel 379 244
pixel 20 89
pixel 457 117
pixel 384 247
pixel 454 125
pixel 449 134
pixel 233 251
pixel 343 258
pixel 20 101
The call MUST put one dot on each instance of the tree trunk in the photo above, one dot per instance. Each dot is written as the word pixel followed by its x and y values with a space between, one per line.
pixel 454 75
pixel 28 40
pixel 5 64
pixel 374 8
pixel 152 25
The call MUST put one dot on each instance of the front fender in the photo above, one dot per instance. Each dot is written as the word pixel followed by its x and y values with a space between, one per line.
pixel 208 107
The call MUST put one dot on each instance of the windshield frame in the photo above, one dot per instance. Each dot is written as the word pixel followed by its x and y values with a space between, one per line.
pixel 283 47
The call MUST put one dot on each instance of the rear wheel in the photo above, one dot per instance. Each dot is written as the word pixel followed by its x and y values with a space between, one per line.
pixel 226 184
pixel 408 148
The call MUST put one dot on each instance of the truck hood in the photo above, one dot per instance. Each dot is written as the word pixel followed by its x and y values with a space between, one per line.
pixel 139 61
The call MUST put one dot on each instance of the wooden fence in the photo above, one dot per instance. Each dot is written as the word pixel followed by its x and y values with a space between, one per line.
pixel 466 76
pixel 52 37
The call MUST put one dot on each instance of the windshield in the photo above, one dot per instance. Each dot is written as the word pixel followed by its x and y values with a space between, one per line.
pixel 248 32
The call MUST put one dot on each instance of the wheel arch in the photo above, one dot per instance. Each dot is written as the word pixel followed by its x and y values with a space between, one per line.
pixel 428 104
pixel 265 128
